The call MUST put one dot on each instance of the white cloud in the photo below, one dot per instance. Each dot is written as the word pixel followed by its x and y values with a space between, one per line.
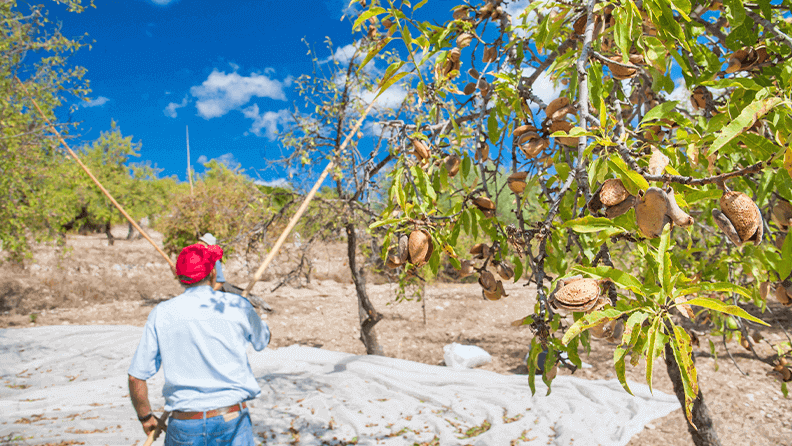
pixel 391 98
pixel 229 160
pixel 343 54
pixel 544 88
pixel 161 2
pixel 203 159
pixel 268 121
pixel 170 110
pixel 221 92
pixel 277 182
pixel 98 102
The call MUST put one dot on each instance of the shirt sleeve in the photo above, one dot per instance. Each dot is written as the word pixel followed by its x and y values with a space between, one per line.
pixel 219 269
pixel 259 330
pixel 147 359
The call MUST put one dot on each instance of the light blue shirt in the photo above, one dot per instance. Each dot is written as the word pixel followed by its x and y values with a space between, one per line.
pixel 219 269
pixel 200 338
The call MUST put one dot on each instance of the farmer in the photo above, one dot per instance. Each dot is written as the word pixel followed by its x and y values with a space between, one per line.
pixel 200 339
pixel 210 240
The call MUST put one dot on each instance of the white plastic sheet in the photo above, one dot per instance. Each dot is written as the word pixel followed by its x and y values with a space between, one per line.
pixel 69 383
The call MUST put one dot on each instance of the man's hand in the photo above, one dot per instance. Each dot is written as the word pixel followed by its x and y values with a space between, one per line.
pixel 150 424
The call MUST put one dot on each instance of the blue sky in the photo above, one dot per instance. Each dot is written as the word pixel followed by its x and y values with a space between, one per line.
pixel 223 68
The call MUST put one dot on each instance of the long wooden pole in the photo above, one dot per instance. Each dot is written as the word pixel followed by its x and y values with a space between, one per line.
pixel 107 194
pixel 189 169
pixel 303 206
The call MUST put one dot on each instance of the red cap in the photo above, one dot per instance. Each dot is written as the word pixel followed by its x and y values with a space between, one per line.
pixel 195 262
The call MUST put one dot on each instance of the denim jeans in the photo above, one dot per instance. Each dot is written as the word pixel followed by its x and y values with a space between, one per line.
pixel 211 431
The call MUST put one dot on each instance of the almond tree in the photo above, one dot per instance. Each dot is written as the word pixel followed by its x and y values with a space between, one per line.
pixel 664 169
pixel 335 95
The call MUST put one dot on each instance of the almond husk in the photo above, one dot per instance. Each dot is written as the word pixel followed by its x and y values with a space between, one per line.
pixel 782 296
pixel 555 105
pixel 487 281
pixel 613 192
pixel 466 268
pixel 678 216
pixel 452 164
pixel 419 243
pixel 578 295
pixel 469 89
pixel 516 182
pixel 420 150
pixel 782 213
pixel 620 72
pixel 651 212
pixel 463 40
pixel 484 203
pixel 480 250
pixel 742 212
pixel 523 129
pixel 505 271
pixel 564 126
pixel 490 54
pixel 534 147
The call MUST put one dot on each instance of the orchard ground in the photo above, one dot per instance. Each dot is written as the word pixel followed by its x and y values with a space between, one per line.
pixel 95 284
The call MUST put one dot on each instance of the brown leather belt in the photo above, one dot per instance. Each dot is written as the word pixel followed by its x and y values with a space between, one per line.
pixel 209 413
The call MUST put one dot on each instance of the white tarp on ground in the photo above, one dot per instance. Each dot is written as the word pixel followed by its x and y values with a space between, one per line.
pixel 64 383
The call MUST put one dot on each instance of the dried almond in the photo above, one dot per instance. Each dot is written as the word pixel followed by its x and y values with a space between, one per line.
pixel 678 216
pixel 463 40
pixel 555 105
pixel 487 281
pixel 466 269
pixel 452 164
pixel 651 212
pixel 782 213
pixel 469 89
pixel 490 54
pixel 743 214
pixel 516 182
pixel 419 243
pixel 483 203
pixel 504 271
pixel 420 150
pixel 577 295
pixel 523 129
pixel 613 192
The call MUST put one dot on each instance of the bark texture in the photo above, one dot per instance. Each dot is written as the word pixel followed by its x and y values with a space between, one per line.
pixel 705 435
pixel 368 315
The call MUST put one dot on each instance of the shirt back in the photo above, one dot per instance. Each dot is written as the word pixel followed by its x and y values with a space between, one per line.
pixel 200 339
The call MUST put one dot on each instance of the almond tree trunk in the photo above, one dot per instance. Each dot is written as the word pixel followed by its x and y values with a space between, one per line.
pixel 705 435
pixel 109 233
pixel 368 315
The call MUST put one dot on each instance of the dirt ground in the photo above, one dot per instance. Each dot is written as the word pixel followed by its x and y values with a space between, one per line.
pixel 93 284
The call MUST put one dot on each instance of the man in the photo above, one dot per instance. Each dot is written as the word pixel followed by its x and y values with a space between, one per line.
pixel 200 338
pixel 210 240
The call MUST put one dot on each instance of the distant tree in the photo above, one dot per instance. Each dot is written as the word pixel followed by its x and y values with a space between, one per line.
pixel 33 49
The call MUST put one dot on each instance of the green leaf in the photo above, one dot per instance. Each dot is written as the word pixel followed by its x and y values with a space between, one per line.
pixel 392 80
pixel 619 277
pixel 744 121
pixel 590 224
pixel 618 364
pixel 376 10
pixel 650 349
pixel 373 52
pixel 536 348
pixel 714 287
pixel 389 221
pixel 660 111
pixel 518 268
pixel 492 127
pixel 635 320
pixel 785 265
pixel 632 180
pixel 686 368
pixel 664 261
pixel 715 304
pixel 588 321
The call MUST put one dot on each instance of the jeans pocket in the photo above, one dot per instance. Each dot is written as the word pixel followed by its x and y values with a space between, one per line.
pixel 185 433
pixel 237 432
